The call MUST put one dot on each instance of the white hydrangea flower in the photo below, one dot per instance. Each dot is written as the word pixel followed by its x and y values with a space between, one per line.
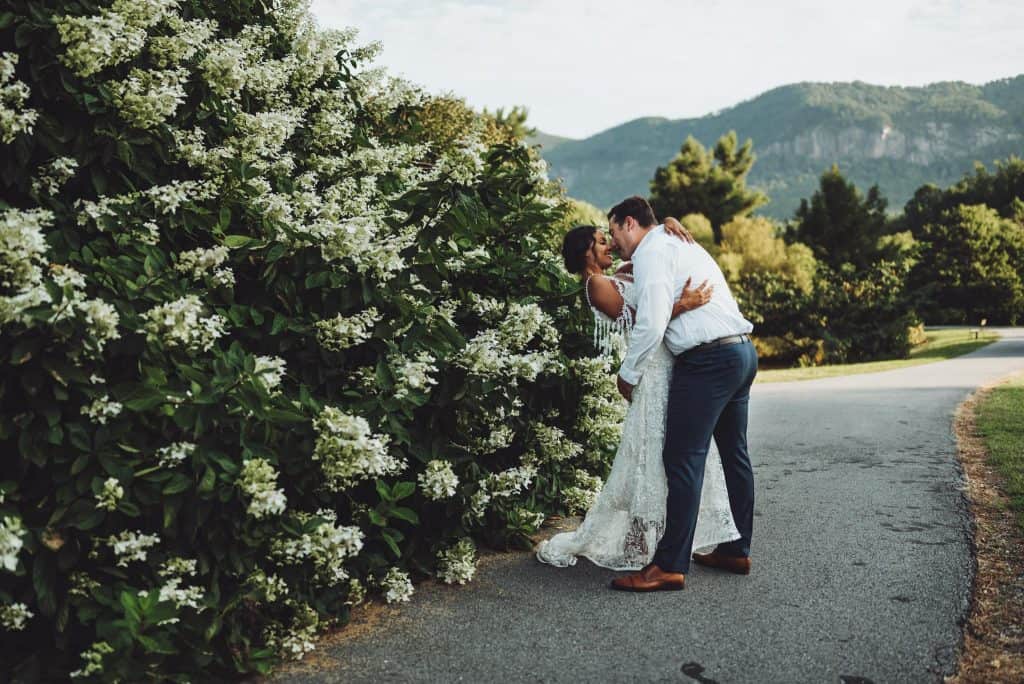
pixel 131 546
pixel 478 503
pixel 438 481
pixel 271 586
pixel 269 371
pixel 149 234
pixel 554 445
pixel 499 436
pixel 300 636
pixel 397 586
pixel 258 480
pixel 188 39
pixel 177 566
pixel 328 547
pixel 264 134
pixel 534 518
pixel 11 532
pixel 97 212
pixel 524 322
pixel 601 410
pixel 413 374
pixel 102 409
pixel 539 170
pixel 222 277
pixel 168 198
pixel 342 332
pixel 14 616
pixel 15 118
pixel 96 42
pixel 181 324
pixel 146 98
pixel 198 262
pixel 581 497
pixel 110 495
pixel 182 597
pixel 463 164
pixel 145 13
pixel 67 276
pixel 348 450
pixel 457 564
pixel 52 176
pixel 101 320
pixel 12 308
pixel 82 585
pixel 356 593
pixel 93 657
pixel 175 453
pixel 508 483
pixel 225 65
pixel 22 247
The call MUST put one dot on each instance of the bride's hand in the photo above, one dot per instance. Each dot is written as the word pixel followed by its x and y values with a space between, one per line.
pixel 692 298
pixel 673 227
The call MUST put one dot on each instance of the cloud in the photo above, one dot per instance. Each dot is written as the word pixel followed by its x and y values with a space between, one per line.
pixel 582 66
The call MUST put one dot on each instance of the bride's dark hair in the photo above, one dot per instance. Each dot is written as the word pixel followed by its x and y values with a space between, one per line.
pixel 576 243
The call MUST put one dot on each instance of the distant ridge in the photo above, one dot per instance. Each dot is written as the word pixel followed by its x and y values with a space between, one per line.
pixel 898 137
pixel 547 141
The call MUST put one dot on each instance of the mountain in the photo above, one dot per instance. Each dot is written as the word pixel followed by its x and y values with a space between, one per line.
pixel 547 140
pixel 898 137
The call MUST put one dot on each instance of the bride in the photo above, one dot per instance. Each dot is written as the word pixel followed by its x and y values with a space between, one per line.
pixel 622 528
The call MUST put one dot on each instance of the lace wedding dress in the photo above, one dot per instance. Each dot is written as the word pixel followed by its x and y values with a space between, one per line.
pixel 622 529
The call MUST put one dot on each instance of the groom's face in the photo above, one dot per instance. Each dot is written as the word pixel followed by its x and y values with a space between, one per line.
pixel 620 237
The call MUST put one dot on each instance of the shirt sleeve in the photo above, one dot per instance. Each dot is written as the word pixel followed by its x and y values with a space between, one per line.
pixel 653 283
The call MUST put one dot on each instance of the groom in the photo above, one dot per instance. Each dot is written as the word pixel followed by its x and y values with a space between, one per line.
pixel 708 395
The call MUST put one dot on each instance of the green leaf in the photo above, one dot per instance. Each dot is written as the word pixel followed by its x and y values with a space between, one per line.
pixel 403 490
pixel 392 544
pixel 237 241
pixel 208 482
pixel 406 514
pixel 132 611
pixel 384 491
pixel 177 484
pixel 377 519
pixel 44 577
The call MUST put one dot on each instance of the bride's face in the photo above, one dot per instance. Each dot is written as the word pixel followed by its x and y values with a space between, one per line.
pixel 601 252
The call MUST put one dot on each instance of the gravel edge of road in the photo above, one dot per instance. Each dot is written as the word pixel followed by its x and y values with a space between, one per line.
pixel 997 581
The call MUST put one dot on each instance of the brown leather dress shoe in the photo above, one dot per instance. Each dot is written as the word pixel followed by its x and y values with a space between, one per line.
pixel 739 565
pixel 650 578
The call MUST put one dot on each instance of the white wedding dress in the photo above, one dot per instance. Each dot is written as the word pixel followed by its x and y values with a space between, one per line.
pixel 622 529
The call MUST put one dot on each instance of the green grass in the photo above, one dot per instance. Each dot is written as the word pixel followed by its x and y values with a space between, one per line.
pixel 1001 425
pixel 941 345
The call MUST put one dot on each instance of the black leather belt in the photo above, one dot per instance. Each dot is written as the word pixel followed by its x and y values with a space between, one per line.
pixel 720 342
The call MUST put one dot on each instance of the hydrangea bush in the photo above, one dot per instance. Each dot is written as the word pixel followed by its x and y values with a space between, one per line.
pixel 274 337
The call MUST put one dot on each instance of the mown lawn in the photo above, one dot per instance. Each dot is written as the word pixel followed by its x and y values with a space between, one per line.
pixel 1001 425
pixel 941 345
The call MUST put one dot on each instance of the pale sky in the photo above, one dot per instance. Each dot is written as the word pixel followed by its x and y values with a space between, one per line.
pixel 582 67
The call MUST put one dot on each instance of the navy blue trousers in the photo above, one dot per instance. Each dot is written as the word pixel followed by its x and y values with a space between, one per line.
pixel 709 397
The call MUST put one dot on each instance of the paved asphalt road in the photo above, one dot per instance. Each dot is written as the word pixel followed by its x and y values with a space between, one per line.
pixel 862 564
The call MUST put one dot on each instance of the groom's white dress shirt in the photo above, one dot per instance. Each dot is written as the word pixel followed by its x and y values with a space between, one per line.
pixel 661 265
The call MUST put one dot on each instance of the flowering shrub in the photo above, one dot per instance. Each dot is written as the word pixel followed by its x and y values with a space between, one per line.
pixel 272 338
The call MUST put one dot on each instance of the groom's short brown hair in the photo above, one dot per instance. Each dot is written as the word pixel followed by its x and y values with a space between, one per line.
pixel 635 206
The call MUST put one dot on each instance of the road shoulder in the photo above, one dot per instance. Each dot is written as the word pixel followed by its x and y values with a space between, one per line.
pixel 993 641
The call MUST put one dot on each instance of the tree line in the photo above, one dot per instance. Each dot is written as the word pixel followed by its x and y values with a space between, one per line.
pixel 846 279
